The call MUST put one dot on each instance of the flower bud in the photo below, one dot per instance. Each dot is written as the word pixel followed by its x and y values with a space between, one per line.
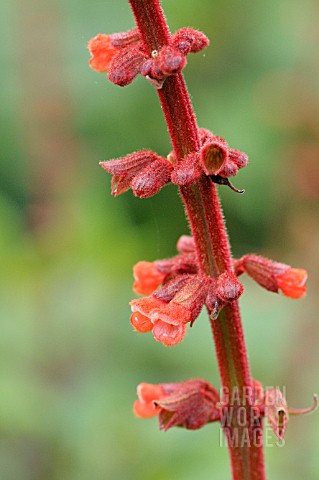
pixel 228 287
pixel 186 244
pixel 170 61
pixel 188 40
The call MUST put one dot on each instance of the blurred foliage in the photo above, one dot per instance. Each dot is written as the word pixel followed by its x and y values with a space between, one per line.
pixel 69 360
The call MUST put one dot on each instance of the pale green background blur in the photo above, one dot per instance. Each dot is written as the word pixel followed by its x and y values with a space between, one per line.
pixel 70 361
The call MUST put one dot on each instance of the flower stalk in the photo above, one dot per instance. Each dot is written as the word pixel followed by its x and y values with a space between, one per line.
pixel 204 272
pixel 208 229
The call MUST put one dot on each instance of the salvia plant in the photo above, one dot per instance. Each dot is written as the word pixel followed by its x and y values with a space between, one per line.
pixel 203 272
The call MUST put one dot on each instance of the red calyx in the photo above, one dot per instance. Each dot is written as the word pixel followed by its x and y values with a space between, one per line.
pixel 190 404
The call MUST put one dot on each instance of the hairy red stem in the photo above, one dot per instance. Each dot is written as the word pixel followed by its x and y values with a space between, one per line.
pixel 213 251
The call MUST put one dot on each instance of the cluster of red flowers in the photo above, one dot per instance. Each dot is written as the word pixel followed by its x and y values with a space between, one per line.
pixel 124 57
pixel 184 290
pixel 147 173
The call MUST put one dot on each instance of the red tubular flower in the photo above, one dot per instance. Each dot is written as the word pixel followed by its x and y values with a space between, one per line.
pixel 190 404
pixel 167 319
pixel 274 276
pixel 104 48
pixel 147 278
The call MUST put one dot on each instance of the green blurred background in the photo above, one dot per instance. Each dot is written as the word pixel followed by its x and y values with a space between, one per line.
pixel 70 362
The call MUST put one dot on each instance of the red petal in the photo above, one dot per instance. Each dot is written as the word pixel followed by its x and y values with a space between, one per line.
pixel 146 305
pixel 102 52
pixel 145 410
pixel 148 392
pixel 171 313
pixel 140 322
pixel 168 334
pixel 147 278
pixel 292 282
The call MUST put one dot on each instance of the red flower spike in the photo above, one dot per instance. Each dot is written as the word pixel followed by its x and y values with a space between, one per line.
pixel 188 171
pixel 214 155
pixel 141 323
pixel 152 179
pixel 126 65
pixel 170 61
pixel 147 278
pixel 147 393
pixel 186 244
pixel 292 282
pixel 102 51
pixel 228 287
pixel 276 411
pixel 273 275
pixel 188 40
